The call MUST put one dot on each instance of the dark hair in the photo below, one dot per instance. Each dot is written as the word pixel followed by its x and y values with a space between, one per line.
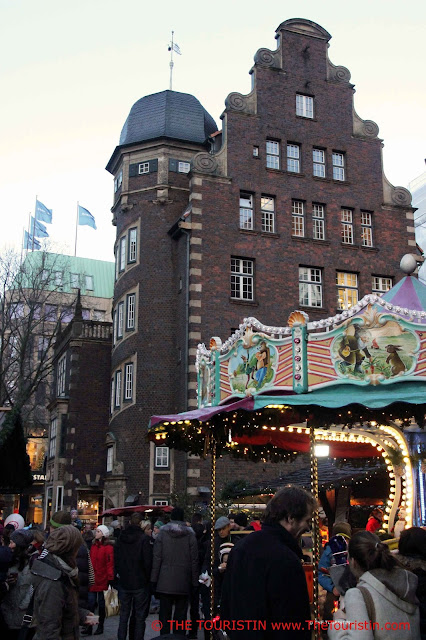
pixel 177 514
pixel 289 502
pixel 241 519
pixel 197 517
pixel 413 542
pixel 198 530
pixel 365 547
pixel 136 518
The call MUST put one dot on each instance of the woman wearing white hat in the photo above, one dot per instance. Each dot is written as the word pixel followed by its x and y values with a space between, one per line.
pixel 102 557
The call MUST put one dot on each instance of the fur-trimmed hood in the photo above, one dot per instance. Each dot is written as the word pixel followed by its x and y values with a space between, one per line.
pixel 177 529
pixel 412 563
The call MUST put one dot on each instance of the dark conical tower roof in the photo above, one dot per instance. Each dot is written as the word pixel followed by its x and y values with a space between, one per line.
pixel 168 114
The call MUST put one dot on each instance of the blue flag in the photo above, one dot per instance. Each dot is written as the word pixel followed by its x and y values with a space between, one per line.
pixel 30 242
pixel 38 229
pixel 85 217
pixel 43 213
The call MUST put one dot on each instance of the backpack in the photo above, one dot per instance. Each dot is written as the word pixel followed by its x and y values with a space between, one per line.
pixel 339 549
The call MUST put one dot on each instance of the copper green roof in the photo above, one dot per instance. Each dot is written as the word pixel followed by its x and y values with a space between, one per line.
pixel 102 272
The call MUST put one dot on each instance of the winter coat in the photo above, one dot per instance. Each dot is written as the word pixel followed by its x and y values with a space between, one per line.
pixel 56 613
pixel 418 566
pixel 86 575
pixel 206 566
pixel 133 558
pixel 265 581
pixel 17 599
pixel 102 557
pixel 175 561
pixel 394 597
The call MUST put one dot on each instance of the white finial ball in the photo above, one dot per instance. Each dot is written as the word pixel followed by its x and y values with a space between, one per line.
pixel 408 263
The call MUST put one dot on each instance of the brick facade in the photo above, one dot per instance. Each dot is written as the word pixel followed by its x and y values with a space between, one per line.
pixel 189 228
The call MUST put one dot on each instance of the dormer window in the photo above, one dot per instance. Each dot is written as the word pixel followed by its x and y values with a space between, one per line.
pixel 143 167
pixel 304 106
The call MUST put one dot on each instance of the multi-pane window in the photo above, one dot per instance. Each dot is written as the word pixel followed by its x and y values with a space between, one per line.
pixel 242 279
pixel 162 457
pixel 338 166
pixel 112 396
pixel 298 218
pixel 133 237
pixel 366 229
pixel 293 158
pixel 347 226
pixel 130 312
pixel 318 228
pixel 310 287
pixel 120 311
pixel 304 106
pixel 122 253
pixel 246 211
pixel 89 283
pixel 267 205
pixel 128 381
pixel 52 437
pixel 118 181
pixel 110 459
pixel 161 503
pixel 318 159
pixel 347 289
pixel 272 154
pixel 60 378
pixel 117 394
pixel 143 167
pixel 381 284
pixel 74 280
pixel 183 167
pixel 58 278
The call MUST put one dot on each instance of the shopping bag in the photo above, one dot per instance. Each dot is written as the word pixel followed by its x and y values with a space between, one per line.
pixel 112 605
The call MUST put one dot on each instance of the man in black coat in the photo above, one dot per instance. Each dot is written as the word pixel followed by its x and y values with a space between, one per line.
pixel 133 564
pixel 265 584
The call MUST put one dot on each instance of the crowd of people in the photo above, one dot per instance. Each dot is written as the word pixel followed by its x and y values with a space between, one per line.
pixel 53 583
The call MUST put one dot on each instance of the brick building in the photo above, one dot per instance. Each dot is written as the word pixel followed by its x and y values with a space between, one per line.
pixel 75 461
pixel 286 207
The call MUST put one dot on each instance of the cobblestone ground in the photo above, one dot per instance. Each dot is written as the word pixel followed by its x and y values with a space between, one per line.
pixel 111 626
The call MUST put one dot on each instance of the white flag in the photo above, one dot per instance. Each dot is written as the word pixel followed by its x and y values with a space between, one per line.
pixel 176 48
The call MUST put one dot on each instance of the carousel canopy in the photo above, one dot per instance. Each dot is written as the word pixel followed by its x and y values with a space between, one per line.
pixel 408 293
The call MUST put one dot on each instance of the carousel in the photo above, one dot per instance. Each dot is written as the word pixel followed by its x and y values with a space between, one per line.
pixel 346 387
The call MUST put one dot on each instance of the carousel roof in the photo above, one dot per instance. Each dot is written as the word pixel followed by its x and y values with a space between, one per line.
pixel 408 293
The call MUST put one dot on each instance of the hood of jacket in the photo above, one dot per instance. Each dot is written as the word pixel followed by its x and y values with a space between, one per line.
pixel 412 563
pixel 131 534
pixel 176 529
pixel 397 586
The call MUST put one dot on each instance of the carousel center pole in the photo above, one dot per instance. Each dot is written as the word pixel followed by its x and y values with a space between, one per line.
pixel 315 529
pixel 212 518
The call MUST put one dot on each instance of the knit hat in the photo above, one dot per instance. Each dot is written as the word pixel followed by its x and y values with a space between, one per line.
pixel 115 524
pixel 159 524
pixel 22 538
pixel 342 528
pixel 64 540
pixel 60 519
pixel 221 522
pixel 225 549
pixel 177 514
pixel 104 530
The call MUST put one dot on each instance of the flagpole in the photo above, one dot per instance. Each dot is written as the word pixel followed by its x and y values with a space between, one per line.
pixel 171 63
pixel 76 227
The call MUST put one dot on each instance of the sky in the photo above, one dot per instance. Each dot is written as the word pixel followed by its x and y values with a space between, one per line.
pixel 70 72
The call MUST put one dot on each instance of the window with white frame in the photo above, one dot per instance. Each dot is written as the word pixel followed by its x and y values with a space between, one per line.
pixel 366 229
pixel 52 437
pixel 161 503
pixel 130 312
pixel 255 152
pixel 267 206
pixel 112 396
pixel 89 283
pixel 304 106
pixel 60 376
pixel 318 159
pixel 347 289
pixel 58 278
pixel 298 218
pixel 293 158
pixel 143 167
pixel 381 284
pixel 318 226
pixel 117 260
pixel 246 211
pixel 122 253
pixel 183 167
pixel 272 154
pixel 117 394
pixel 310 287
pixel 162 455
pixel 133 238
pixel 338 160
pixel 128 381
pixel 118 181
pixel 110 459
pixel 120 312
pixel 347 226
pixel 74 280
pixel 242 279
